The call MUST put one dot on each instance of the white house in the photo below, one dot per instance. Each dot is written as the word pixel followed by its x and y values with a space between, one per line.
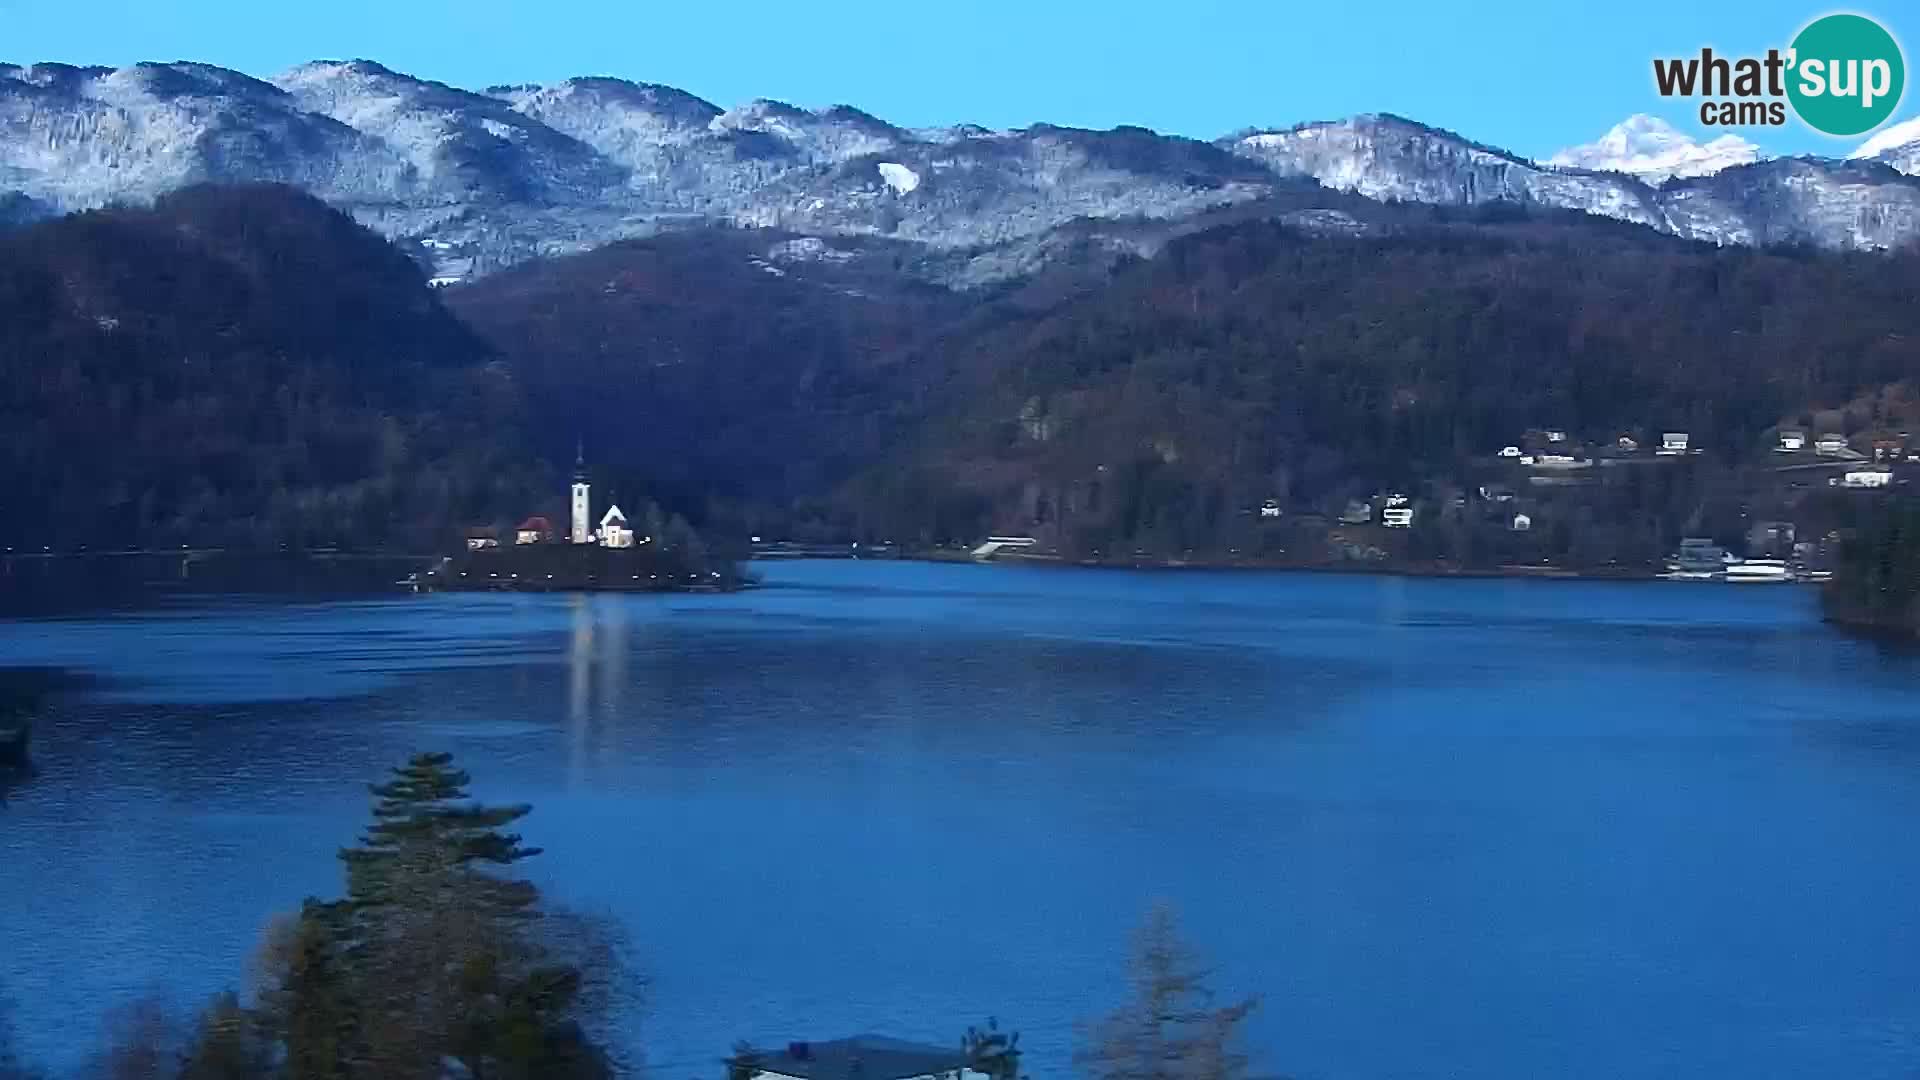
pixel 1510 451
pixel 1270 508
pixel 613 531
pixel 534 530
pixel 1830 445
pixel 1866 478
pixel 862 1057
pixel 1792 442
pixel 1674 442
pixel 1398 512
pixel 1522 523
pixel 481 539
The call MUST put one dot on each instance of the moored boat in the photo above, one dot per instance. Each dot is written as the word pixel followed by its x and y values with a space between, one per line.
pixel 1759 571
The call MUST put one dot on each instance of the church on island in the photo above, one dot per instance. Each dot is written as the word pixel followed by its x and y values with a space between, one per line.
pixel 612 532
pixel 593 554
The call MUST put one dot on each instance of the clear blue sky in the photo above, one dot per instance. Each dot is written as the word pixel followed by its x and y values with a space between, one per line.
pixel 1531 76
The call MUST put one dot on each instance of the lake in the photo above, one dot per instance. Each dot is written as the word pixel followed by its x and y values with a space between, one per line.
pixel 1445 828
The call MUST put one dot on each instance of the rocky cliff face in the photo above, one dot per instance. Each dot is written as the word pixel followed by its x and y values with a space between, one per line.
pixel 485 179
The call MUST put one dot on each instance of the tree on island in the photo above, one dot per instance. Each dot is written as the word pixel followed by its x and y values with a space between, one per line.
pixel 1170 1029
pixel 435 955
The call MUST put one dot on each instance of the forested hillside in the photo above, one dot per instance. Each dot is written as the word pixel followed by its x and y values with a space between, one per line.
pixel 246 366
pixel 1255 362
pixel 718 364
pixel 1877 585
pixel 239 366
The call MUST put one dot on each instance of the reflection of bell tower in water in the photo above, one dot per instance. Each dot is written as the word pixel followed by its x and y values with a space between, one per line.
pixel 580 668
pixel 582 531
pixel 597 679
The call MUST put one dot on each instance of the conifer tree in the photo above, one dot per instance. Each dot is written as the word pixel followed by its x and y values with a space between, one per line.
pixel 433 955
pixel 1170 1029
pixel 426 834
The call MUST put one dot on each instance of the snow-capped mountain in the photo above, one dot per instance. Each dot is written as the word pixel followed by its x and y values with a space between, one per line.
pixel 1653 150
pixel 1389 157
pixel 1898 145
pixel 484 179
pixel 1786 200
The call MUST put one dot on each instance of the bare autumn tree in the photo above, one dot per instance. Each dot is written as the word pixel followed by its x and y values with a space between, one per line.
pixel 227 1044
pixel 1170 1028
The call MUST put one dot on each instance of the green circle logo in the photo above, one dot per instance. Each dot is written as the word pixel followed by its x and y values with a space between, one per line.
pixel 1847 74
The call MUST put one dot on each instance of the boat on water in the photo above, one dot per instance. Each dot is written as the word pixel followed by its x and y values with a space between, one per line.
pixel 1698 560
pixel 1759 571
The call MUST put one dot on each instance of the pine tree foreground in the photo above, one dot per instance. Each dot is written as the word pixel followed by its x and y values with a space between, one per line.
pixel 1170 1029
pixel 436 963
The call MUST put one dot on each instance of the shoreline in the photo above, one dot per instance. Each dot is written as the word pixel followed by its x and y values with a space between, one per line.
pixel 1379 569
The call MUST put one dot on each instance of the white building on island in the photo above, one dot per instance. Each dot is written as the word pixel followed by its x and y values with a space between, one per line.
pixel 582 530
pixel 614 531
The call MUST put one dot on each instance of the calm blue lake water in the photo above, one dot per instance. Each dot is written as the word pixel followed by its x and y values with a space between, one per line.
pixel 1445 828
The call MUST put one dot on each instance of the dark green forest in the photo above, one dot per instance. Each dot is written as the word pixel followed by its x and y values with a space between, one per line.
pixel 1147 403
pixel 1877 585
pixel 1257 362
pixel 239 366
pixel 245 366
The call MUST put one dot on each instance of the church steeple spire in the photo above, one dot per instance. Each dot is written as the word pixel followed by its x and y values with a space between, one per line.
pixel 582 531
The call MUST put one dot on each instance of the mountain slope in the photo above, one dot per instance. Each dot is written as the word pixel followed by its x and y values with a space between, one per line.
pixel 489 179
pixel 743 364
pixel 1897 145
pixel 237 366
pixel 1253 362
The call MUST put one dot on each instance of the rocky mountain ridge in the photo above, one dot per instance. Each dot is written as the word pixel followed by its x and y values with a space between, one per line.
pixel 485 179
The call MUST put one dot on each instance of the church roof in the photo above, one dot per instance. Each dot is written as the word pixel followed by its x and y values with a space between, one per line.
pixel 536 524
pixel 612 515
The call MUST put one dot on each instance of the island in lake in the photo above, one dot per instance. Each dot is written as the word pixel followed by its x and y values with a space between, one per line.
pixel 606 556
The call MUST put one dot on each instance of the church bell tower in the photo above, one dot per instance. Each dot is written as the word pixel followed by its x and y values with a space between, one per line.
pixel 582 531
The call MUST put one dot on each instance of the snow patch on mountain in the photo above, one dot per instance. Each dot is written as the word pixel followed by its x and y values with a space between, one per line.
pixel 516 172
pixel 829 135
pixel 1898 145
pixel 1654 150
pixel 898 177
pixel 807 249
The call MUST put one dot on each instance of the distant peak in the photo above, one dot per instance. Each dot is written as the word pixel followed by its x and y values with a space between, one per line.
pixel 1652 149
